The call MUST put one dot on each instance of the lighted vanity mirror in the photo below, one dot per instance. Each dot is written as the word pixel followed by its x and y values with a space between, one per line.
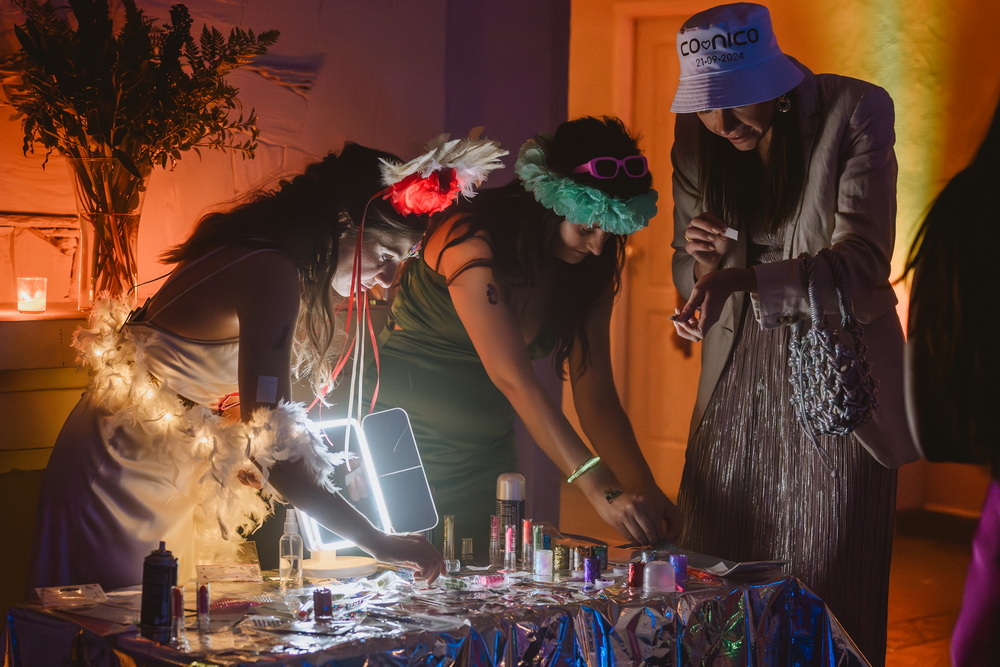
pixel 385 481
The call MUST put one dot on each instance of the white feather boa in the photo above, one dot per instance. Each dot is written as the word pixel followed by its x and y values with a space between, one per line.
pixel 195 437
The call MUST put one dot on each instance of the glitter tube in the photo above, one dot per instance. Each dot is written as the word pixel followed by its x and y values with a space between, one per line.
pixel 490 580
pixel 448 548
pixel 467 551
pixel 576 557
pixel 455 583
pixel 538 537
pixel 680 565
pixel 496 559
pixel 527 545
pixel 510 549
pixel 203 603
pixel 560 557
pixel 591 569
pixel 634 577
pixel 600 551
pixel 177 615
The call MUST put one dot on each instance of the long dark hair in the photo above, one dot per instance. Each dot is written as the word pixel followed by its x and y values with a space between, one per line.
pixel 523 233
pixel 951 318
pixel 304 217
pixel 745 191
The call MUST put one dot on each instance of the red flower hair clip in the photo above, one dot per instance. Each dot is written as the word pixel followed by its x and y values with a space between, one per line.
pixel 432 182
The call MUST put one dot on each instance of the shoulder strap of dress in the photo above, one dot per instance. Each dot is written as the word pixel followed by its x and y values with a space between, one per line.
pixel 207 276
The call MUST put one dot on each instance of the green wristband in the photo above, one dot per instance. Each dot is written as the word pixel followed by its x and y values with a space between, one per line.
pixel 582 468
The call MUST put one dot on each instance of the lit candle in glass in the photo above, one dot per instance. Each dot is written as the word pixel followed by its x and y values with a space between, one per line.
pixel 31 293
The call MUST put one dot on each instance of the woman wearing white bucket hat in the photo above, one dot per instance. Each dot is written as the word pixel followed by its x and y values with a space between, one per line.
pixel 772 162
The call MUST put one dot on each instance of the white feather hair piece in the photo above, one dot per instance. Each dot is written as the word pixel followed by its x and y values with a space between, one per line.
pixel 472 158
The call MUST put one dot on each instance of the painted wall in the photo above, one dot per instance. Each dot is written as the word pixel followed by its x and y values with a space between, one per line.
pixel 380 72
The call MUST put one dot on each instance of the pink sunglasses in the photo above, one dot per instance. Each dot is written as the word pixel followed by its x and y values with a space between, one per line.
pixel 634 166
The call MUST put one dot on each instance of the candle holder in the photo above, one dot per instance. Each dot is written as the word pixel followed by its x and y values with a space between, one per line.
pixel 31 294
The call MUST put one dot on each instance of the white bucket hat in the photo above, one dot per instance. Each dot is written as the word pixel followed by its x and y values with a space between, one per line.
pixel 729 57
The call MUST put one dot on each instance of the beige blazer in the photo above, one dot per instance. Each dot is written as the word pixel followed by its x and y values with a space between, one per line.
pixel 848 204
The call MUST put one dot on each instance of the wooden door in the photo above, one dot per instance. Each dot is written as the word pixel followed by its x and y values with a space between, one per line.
pixel 622 62
pixel 660 369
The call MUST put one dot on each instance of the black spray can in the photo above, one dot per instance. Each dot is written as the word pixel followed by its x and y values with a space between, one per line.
pixel 159 576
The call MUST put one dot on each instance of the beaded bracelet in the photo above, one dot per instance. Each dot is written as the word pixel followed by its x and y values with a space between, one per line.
pixel 582 468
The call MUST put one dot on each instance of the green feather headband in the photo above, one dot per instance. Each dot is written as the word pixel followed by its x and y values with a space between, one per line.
pixel 578 203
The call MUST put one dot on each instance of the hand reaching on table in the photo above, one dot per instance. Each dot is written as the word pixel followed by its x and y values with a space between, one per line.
pixel 409 550
pixel 646 517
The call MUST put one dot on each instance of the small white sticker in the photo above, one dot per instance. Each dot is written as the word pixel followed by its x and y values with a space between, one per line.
pixel 267 389
pixel 731 233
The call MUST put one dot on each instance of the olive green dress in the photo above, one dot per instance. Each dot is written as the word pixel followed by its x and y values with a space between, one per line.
pixel 463 424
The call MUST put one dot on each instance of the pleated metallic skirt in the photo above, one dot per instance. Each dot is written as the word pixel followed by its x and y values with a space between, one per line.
pixel 755 487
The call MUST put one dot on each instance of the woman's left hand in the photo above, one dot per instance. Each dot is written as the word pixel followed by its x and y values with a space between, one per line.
pixel 648 517
pixel 663 507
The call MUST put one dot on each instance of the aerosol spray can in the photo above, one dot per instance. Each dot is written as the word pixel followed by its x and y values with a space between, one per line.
pixel 510 499
pixel 159 576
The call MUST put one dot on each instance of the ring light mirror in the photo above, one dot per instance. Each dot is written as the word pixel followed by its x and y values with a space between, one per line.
pixel 385 481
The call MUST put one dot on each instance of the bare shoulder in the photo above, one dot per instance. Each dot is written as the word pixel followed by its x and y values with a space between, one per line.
pixel 446 250
pixel 209 298
pixel 268 267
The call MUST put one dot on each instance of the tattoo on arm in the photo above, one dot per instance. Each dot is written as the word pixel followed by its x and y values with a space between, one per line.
pixel 491 294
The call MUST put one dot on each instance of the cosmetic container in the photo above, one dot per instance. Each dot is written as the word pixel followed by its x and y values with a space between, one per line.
pixel 159 576
pixel 510 499
pixel 634 577
pixel 680 565
pixel 491 580
pixel 203 606
pixel 527 546
pixel 177 636
pixel 543 562
pixel 658 577
pixel 510 549
pixel 322 604
pixel 448 546
pixel 290 553
pixel 496 551
pixel 468 553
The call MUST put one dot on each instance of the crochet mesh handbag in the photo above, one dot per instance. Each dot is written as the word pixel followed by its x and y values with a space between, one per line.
pixel 833 390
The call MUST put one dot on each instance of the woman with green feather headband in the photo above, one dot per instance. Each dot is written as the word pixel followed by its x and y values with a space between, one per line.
pixel 517 273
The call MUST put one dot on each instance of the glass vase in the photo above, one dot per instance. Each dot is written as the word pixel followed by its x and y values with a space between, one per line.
pixel 109 201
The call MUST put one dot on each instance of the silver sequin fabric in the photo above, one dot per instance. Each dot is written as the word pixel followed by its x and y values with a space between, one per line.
pixel 755 487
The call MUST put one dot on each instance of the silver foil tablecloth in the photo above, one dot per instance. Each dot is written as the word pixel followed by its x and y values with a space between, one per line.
pixel 775 621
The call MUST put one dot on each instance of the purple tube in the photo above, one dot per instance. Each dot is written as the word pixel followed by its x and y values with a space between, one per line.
pixel 680 563
pixel 322 603
pixel 591 569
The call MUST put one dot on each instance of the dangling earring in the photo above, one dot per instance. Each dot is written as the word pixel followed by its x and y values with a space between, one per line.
pixel 784 104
